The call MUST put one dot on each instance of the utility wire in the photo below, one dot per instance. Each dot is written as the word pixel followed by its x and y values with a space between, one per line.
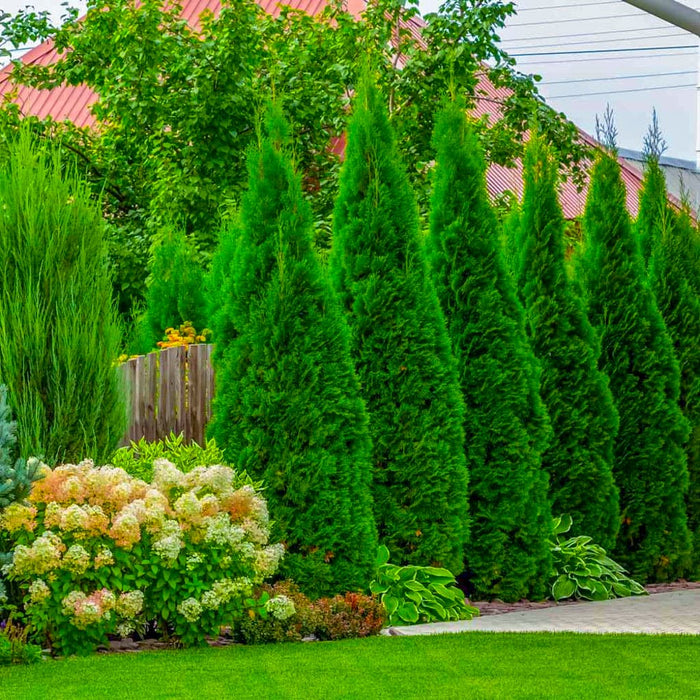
pixel 578 34
pixel 617 92
pixel 568 5
pixel 605 58
pixel 571 19
pixel 622 50
pixel 617 77
pixel 595 41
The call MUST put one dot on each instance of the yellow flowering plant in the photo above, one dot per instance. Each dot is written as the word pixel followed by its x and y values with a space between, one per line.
pixel 185 335
pixel 100 552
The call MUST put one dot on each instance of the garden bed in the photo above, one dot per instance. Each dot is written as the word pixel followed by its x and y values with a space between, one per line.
pixel 498 607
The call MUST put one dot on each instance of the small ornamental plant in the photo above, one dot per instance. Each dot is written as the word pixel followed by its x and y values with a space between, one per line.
pixel 101 553
pixel 184 336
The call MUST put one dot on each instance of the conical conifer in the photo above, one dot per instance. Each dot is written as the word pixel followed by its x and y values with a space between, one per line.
pixel 401 348
pixel 637 355
pixel 506 425
pixel 287 407
pixel 579 459
pixel 675 276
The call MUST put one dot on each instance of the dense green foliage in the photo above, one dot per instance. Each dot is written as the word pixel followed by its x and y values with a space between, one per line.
pixel 583 570
pixel 14 647
pixel 177 104
pixel 653 208
pixel 674 270
pixel 579 459
pixel 401 348
pixel 637 355
pixel 58 335
pixel 506 425
pixel 138 458
pixel 287 407
pixel 175 293
pixel 418 594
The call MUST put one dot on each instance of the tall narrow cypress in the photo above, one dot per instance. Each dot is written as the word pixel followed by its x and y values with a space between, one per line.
pixel 287 407
pixel 637 355
pixel 506 425
pixel 579 459
pixel 401 348
pixel 674 270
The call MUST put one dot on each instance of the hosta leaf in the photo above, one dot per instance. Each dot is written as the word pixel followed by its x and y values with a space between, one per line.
pixel 408 613
pixel 391 604
pixel 562 588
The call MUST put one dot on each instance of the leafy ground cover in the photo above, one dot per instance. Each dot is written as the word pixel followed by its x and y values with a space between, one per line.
pixel 450 666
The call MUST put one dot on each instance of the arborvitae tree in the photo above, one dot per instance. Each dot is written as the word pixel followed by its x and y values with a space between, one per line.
pixel 176 290
pixel 674 269
pixel 401 347
pixel 579 459
pixel 58 331
pixel 217 279
pixel 506 425
pixel 637 355
pixel 288 407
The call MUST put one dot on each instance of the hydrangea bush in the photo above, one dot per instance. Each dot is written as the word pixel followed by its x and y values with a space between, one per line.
pixel 100 552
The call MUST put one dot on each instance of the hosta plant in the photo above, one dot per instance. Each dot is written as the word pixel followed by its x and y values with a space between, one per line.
pixel 100 552
pixel 414 594
pixel 583 569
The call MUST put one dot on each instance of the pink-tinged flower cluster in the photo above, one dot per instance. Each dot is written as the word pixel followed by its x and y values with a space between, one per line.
pixel 83 518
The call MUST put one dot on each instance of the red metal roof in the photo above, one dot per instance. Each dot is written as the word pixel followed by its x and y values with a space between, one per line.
pixel 73 103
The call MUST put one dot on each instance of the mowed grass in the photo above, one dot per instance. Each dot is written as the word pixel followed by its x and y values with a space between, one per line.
pixel 473 665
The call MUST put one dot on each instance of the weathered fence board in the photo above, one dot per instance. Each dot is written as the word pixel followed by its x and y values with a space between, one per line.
pixel 169 391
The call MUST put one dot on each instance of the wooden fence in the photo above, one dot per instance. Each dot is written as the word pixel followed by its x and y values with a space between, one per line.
pixel 169 391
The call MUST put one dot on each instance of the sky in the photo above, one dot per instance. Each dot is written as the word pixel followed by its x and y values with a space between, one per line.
pixel 591 53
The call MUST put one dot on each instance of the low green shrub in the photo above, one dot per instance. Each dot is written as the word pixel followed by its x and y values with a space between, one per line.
pixel 139 457
pixel 101 553
pixel 414 594
pixel 14 647
pixel 583 569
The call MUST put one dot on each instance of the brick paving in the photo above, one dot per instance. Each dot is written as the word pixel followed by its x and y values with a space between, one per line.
pixel 662 613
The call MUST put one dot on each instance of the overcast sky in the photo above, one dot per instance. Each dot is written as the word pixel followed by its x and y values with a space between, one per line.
pixel 593 52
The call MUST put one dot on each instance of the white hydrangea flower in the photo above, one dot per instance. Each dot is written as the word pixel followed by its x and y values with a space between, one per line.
pixel 280 607
pixel 190 609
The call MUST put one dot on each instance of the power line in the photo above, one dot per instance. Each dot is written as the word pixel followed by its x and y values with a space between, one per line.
pixel 571 19
pixel 605 58
pixel 617 92
pixel 596 41
pixel 622 50
pixel 618 77
pixel 568 5
pixel 578 34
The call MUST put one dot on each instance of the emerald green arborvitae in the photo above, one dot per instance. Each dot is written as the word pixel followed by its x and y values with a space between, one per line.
pixel 288 407
pixel 506 425
pixel 674 270
pixel 652 207
pixel 577 395
pixel 58 331
pixel 637 355
pixel 175 293
pixel 401 347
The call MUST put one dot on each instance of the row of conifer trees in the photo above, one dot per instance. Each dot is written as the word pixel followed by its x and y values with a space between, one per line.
pixel 445 394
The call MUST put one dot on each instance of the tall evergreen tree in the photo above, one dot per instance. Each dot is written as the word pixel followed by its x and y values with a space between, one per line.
pixel 579 459
pixel 176 290
pixel 506 425
pixel 674 270
pixel 287 405
pixel 59 334
pixel 401 348
pixel 637 355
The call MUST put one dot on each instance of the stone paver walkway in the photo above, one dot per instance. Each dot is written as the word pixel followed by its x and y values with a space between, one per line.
pixel 662 613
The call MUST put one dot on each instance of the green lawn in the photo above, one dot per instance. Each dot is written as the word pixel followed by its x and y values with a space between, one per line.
pixel 474 665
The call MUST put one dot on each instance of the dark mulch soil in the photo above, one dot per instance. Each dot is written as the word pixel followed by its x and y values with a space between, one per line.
pixel 498 607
